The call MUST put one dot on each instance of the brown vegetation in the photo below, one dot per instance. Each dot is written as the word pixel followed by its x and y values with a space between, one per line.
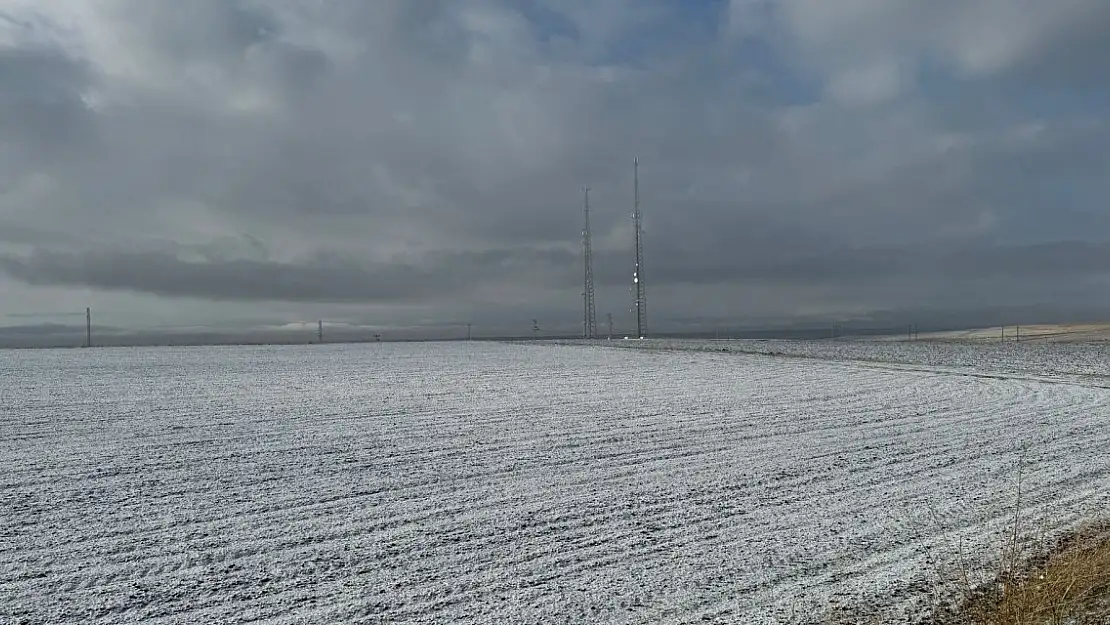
pixel 1070 585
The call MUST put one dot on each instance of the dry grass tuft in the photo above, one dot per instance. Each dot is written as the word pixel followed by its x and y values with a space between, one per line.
pixel 1067 584
pixel 1070 586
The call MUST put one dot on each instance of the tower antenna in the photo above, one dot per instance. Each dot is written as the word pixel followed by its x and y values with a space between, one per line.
pixel 320 331
pixel 638 276
pixel 88 327
pixel 589 320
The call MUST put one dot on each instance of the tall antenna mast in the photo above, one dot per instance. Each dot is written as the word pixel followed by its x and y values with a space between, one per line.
pixel 88 327
pixel 638 276
pixel 320 331
pixel 589 320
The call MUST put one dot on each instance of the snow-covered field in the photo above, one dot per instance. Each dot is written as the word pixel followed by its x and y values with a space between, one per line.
pixel 485 483
pixel 1085 363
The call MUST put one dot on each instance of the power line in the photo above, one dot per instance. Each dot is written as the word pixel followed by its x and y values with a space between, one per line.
pixel 589 320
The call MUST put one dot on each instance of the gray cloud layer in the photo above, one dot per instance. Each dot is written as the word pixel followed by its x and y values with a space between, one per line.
pixel 800 157
pixel 321 280
pixel 339 280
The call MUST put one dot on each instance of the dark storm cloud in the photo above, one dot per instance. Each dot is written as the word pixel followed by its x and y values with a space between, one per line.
pixel 451 275
pixel 878 265
pixel 324 279
pixel 436 150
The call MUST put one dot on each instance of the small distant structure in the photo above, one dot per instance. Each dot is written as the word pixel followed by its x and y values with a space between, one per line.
pixel 320 331
pixel 535 329
pixel 610 319
pixel 88 327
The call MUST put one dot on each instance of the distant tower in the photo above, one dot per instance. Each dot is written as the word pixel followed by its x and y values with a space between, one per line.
pixel 535 329
pixel 638 276
pixel 610 317
pixel 88 327
pixel 320 331
pixel 589 321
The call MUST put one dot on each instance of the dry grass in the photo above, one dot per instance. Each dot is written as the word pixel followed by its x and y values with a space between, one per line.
pixel 1051 333
pixel 1066 584
pixel 1033 582
pixel 1070 586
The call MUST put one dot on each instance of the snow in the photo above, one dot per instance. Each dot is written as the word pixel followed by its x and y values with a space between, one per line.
pixel 1088 363
pixel 488 483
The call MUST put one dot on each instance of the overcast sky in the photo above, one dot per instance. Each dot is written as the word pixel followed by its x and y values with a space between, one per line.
pixel 231 163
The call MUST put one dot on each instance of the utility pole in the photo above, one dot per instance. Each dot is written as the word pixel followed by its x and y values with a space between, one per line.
pixel 589 320
pixel 88 327
pixel 638 276
pixel 610 317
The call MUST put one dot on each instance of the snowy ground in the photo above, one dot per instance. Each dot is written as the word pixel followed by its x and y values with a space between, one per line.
pixel 1064 333
pixel 482 483
pixel 1084 363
